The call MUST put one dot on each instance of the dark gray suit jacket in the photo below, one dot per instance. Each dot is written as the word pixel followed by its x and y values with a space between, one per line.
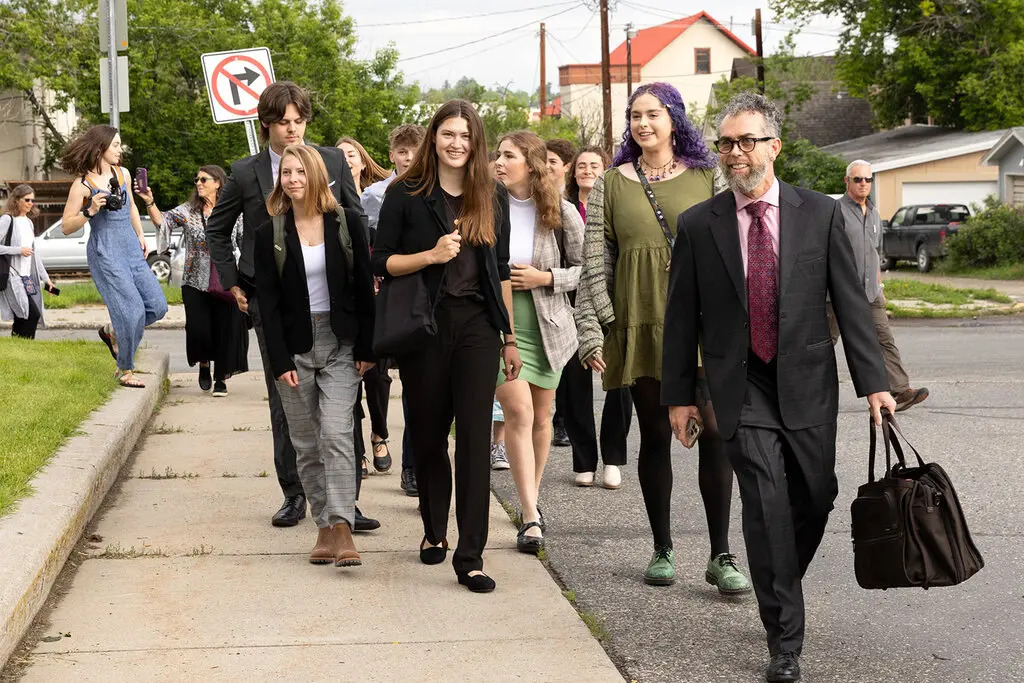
pixel 246 191
pixel 707 300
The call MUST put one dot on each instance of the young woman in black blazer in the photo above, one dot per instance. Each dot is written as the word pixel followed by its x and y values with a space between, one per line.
pixel 446 218
pixel 318 323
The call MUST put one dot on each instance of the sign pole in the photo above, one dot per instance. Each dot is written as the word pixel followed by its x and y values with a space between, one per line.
pixel 250 134
pixel 115 110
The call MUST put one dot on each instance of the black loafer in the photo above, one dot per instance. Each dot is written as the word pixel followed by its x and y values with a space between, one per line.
pixel 783 668
pixel 478 583
pixel 364 523
pixel 433 554
pixel 292 511
pixel 559 437
pixel 205 381
pixel 529 544
pixel 409 483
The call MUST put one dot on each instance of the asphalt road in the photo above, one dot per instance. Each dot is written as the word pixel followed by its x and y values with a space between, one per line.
pixel 973 425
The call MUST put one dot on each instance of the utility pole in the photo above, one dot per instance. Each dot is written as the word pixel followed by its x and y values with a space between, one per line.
pixel 760 50
pixel 630 35
pixel 543 76
pixel 606 78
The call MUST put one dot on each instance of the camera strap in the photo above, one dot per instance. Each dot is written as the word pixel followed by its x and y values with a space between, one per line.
pixel 115 173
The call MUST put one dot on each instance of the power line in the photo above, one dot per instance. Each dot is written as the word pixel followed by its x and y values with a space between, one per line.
pixel 495 46
pixel 470 16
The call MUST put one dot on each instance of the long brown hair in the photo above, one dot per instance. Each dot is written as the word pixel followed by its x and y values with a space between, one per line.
pixel 83 154
pixel 572 188
pixel 197 203
pixel 477 221
pixel 17 194
pixel 318 193
pixel 372 171
pixel 545 194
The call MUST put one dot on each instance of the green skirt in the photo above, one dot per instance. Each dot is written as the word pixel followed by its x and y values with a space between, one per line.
pixel 536 369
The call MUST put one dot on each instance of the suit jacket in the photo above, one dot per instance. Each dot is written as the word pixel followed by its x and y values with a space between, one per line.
pixel 284 299
pixel 409 224
pixel 707 300
pixel 245 193
pixel 554 312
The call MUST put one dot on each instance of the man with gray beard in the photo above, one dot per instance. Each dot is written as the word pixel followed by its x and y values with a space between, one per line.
pixel 750 271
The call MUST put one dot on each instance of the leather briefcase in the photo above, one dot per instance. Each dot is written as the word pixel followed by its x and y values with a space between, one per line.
pixel 908 527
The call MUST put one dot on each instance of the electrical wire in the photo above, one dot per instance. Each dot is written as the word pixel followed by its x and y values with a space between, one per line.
pixel 471 16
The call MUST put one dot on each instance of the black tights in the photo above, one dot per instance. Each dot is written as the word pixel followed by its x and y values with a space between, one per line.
pixel 654 467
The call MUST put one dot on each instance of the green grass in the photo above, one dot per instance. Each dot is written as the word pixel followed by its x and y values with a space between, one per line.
pixel 939 294
pixel 1014 271
pixel 85 293
pixel 46 389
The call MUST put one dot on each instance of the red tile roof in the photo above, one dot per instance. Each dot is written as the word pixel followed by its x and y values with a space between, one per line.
pixel 555 108
pixel 649 42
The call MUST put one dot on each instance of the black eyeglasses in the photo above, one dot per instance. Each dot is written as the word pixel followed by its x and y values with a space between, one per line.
pixel 725 145
pixel 859 179
pixel 201 180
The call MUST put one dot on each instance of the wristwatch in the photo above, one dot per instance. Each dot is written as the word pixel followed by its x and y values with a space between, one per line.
pixel 85 212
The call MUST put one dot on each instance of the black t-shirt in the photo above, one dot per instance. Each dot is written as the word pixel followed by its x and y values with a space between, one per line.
pixel 464 270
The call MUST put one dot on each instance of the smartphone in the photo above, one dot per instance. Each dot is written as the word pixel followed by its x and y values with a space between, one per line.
pixel 55 291
pixel 142 180
pixel 693 432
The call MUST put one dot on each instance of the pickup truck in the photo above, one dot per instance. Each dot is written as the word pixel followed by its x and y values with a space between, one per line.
pixel 918 233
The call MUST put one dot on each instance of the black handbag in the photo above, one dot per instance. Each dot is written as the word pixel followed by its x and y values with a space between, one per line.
pixel 5 260
pixel 908 527
pixel 404 315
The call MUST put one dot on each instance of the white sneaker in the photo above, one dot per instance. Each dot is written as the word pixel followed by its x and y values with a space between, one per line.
pixel 584 478
pixel 499 459
pixel 611 478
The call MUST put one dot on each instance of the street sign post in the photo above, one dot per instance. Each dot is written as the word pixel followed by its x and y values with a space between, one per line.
pixel 120 96
pixel 234 81
pixel 120 25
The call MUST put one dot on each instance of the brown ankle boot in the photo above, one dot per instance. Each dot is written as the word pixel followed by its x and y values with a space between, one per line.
pixel 323 551
pixel 345 554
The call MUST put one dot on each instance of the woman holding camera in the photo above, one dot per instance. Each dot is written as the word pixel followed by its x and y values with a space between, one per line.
pixel 116 251
pixel 22 300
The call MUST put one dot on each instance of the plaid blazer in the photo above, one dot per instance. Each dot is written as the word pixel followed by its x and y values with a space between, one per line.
pixel 554 312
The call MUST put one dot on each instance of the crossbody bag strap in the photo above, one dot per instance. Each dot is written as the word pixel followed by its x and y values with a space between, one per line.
pixel 658 213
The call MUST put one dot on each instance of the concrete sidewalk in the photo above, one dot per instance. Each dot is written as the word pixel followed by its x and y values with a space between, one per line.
pixel 186 579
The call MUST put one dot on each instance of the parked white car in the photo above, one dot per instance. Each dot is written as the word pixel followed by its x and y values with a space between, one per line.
pixel 67 252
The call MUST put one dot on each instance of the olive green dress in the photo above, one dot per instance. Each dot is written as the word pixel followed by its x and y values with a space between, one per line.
pixel 632 347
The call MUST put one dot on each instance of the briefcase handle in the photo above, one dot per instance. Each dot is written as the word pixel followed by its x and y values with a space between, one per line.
pixel 891 444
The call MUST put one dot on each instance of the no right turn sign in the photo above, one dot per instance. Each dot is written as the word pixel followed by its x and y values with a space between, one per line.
pixel 234 81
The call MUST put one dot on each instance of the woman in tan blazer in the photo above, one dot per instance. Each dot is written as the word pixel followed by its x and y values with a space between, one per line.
pixel 545 255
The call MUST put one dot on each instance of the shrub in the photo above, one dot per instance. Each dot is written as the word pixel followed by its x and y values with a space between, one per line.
pixel 992 237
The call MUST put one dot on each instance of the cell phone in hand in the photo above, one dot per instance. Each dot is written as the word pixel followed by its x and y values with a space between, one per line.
pixel 693 432
pixel 142 180
pixel 55 291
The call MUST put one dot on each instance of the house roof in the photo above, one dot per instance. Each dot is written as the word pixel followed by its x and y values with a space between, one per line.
pixel 554 108
pixel 649 42
pixel 1004 145
pixel 914 144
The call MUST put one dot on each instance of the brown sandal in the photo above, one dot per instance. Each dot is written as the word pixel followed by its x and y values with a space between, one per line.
pixel 127 379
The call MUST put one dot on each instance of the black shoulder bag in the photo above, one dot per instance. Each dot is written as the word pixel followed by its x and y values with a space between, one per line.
pixel 405 314
pixel 5 260
pixel 658 213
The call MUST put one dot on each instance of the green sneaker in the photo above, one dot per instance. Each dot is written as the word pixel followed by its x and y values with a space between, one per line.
pixel 723 573
pixel 661 570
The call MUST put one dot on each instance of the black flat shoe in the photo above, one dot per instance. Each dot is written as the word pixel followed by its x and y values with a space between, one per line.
pixel 383 463
pixel 292 511
pixel 559 437
pixel 433 554
pixel 408 483
pixel 364 523
pixel 784 668
pixel 205 381
pixel 478 583
pixel 529 544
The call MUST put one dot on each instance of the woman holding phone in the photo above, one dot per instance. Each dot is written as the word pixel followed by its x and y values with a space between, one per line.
pixel 316 300
pixel 448 220
pixel 116 251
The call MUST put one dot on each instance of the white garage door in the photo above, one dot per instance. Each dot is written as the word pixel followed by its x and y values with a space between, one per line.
pixel 948 193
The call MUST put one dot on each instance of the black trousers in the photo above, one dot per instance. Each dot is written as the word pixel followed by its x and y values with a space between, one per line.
pixel 215 330
pixel 26 327
pixel 453 376
pixel 575 401
pixel 284 453
pixel 787 484
pixel 378 392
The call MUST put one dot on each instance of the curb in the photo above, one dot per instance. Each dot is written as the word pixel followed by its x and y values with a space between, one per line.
pixel 86 325
pixel 39 536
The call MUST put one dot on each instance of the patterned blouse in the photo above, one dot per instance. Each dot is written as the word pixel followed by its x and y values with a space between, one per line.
pixel 192 224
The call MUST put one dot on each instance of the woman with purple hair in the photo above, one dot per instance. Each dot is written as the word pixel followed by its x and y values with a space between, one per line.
pixel 662 169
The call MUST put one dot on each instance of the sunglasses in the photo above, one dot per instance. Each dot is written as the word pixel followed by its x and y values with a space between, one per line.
pixel 28 201
pixel 859 179
pixel 200 180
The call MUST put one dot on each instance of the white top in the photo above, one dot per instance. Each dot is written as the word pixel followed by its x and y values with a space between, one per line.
pixel 27 236
pixel 315 259
pixel 523 218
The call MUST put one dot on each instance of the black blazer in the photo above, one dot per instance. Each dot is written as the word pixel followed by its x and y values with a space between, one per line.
pixel 246 191
pixel 707 298
pixel 284 300
pixel 409 224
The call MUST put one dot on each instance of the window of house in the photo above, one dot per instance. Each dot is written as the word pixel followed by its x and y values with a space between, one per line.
pixel 702 59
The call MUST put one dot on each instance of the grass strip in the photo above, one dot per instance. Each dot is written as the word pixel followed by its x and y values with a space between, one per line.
pixel 46 389
pixel 85 293
pixel 1013 271
pixel 932 293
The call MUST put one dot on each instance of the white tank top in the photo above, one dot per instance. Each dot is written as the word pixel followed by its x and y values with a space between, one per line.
pixel 315 259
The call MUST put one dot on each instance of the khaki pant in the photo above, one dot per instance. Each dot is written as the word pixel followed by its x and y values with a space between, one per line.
pixel 898 380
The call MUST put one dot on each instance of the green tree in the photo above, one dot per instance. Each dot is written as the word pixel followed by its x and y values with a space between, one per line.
pixel 959 62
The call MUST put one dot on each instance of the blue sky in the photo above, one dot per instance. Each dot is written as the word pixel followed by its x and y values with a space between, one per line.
pixel 504 47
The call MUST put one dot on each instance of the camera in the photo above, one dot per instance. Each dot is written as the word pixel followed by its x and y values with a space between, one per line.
pixel 115 202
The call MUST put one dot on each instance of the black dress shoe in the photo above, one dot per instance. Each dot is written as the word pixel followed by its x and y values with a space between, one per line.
pixel 365 523
pixel 529 544
pixel 409 483
pixel 784 666
pixel 433 554
pixel 478 583
pixel 559 437
pixel 205 381
pixel 292 511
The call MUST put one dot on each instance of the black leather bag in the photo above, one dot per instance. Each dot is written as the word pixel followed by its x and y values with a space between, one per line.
pixel 5 260
pixel 908 527
pixel 404 316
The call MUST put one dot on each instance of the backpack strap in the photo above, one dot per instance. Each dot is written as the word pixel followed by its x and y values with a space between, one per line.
pixel 281 249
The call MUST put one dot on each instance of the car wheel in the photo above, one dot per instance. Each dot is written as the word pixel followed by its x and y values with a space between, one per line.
pixel 887 263
pixel 160 264
pixel 924 260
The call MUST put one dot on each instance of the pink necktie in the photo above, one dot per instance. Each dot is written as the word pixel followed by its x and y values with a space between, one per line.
pixel 762 291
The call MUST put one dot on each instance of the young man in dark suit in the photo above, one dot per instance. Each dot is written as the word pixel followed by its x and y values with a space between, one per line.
pixel 284 109
pixel 750 272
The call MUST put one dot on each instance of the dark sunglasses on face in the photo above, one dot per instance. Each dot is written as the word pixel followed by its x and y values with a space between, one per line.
pixel 724 145
pixel 201 180
pixel 859 179
pixel 28 201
